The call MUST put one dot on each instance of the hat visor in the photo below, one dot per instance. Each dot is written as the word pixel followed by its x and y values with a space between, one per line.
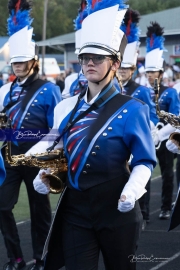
pixel 94 51
pixel 126 65
pixel 21 59
pixel 153 69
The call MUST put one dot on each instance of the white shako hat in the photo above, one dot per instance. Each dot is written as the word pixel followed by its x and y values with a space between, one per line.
pixel 101 32
pixel 21 46
pixel 82 14
pixel 154 60
pixel 132 32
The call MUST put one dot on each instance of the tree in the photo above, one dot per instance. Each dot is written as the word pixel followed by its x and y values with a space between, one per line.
pixel 61 13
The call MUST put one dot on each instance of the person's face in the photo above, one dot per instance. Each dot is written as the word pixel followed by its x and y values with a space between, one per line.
pixel 95 66
pixel 125 73
pixel 152 75
pixel 21 69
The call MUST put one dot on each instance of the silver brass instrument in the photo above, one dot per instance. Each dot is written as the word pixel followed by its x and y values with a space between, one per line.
pixel 55 160
pixel 169 118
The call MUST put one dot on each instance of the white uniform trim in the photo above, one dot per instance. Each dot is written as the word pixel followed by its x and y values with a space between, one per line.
pixel 3 92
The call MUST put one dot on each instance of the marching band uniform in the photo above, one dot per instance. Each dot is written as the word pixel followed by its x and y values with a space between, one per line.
pixel 131 88
pixel 74 84
pixel 30 105
pixel 97 148
pixel 2 170
pixel 175 217
pixel 169 102
pixel 141 79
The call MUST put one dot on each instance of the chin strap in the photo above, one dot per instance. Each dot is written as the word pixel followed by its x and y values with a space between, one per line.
pixel 107 73
pixel 29 70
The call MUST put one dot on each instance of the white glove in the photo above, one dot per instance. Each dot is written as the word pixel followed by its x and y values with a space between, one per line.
pixel 126 204
pixel 39 186
pixel 165 132
pixel 172 147
pixel 155 136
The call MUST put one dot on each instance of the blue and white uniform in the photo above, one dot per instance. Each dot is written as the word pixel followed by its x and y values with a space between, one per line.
pixel 100 160
pixel 2 170
pixel 39 110
pixel 74 84
pixel 142 93
pixel 30 108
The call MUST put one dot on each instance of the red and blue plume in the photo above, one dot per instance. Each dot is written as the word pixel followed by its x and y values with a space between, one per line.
pixel 82 14
pixel 96 5
pixel 129 25
pixel 19 11
pixel 155 37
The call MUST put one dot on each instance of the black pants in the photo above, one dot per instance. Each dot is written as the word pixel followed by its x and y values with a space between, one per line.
pixel 92 223
pixel 166 162
pixel 144 201
pixel 40 210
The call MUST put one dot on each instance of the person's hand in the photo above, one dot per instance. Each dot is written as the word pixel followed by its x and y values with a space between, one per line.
pixel 155 136
pixel 173 146
pixel 126 204
pixel 41 183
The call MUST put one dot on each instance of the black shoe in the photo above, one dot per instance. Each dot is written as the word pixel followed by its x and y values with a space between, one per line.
pixel 165 214
pixel 36 266
pixel 12 265
pixel 143 225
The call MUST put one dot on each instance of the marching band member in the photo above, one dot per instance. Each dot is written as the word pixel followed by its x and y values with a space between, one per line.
pixel 29 102
pixel 169 102
pixel 173 145
pixel 130 87
pixel 99 207
pixel 76 82
pixel 141 79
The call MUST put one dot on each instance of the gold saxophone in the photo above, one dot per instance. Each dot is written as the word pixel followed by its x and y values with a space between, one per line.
pixel 55 160
pixel 169 118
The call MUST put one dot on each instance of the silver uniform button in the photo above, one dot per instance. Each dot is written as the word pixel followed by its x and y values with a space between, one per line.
pixel 41 92
pixel 97 147
pixel 26 118
pixel 45 89
pixel 125 111
pixel 35 100
pixel 22 127
pixel 88 166
pixel 139 91
pixel 119 116
pixel 93 153
pixel 84 172
pixel 104 134
pixel 32 105
pixel 28 113
pixel 109 128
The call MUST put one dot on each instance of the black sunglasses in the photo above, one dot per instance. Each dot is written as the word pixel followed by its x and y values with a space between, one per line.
pixel 97 59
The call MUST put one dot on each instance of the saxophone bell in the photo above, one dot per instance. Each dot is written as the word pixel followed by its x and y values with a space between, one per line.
pixel 55 160
pixel 55 182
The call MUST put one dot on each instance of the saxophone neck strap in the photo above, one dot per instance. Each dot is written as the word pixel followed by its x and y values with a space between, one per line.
pixel 106 94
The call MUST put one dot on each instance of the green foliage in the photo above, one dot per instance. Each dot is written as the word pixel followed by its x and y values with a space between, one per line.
pixel 151 6
pixel 61 13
